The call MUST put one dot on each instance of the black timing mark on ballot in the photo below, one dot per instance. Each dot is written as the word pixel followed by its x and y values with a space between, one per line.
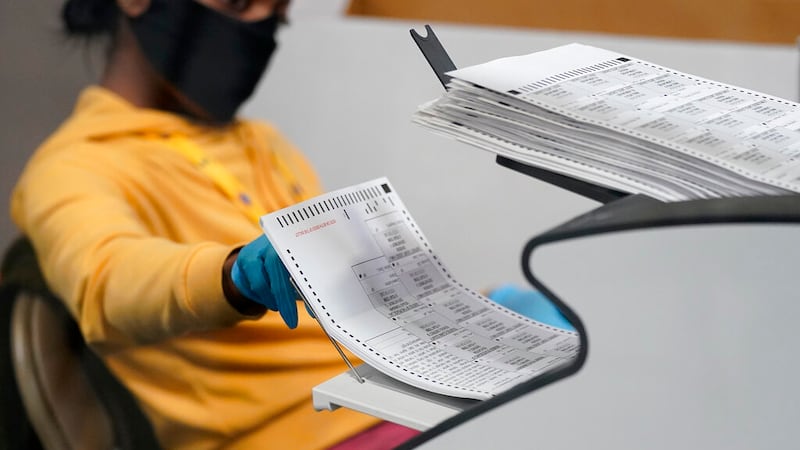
pixel 307 212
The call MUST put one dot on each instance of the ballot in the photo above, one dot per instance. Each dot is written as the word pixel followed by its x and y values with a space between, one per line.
pixel 622 123
pixel 377 287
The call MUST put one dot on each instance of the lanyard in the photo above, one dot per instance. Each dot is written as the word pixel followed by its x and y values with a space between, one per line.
pixel 218 174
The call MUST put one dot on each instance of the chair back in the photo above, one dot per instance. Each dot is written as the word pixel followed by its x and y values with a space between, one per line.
pixel 61 404
pixel 56 385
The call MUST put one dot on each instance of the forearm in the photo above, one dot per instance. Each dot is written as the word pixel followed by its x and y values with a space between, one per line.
pixel 125 279
pixel 141 290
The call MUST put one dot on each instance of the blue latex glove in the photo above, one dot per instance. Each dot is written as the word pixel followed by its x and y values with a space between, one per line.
pixel 532 304
pixel 259 274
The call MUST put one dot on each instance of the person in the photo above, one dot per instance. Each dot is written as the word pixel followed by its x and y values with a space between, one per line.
pixel 142 209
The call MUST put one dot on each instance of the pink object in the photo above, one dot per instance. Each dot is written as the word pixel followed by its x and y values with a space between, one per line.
pixel 384 436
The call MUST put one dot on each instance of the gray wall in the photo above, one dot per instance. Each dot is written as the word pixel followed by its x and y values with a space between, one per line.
pixel 344 91
pixel 40 75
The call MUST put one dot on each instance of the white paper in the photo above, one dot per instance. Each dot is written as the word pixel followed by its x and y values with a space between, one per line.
pixel 624 123
pixel 377 287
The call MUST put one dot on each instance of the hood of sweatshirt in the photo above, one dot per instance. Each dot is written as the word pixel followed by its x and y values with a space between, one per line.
pixel 101 114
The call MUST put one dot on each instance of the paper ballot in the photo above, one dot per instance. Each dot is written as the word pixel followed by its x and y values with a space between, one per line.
pixel 377 287
pixel 624 123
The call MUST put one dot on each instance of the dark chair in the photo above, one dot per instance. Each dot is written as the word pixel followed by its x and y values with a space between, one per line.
pixel 59 394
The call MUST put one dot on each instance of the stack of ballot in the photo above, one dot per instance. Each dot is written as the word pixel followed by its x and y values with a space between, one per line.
pixel 623 123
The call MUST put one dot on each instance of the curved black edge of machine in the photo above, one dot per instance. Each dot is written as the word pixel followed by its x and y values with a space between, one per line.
pixel 629 213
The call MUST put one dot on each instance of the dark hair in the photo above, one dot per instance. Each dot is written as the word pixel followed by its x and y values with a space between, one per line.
pixel 90 17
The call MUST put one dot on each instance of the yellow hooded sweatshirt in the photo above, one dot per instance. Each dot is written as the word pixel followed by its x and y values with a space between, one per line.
pixel 133 237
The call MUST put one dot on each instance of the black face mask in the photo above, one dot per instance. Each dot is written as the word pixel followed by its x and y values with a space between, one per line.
pixel 215 61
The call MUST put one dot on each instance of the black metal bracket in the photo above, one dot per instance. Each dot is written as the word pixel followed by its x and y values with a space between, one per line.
pixel 582 188
pixel 436 55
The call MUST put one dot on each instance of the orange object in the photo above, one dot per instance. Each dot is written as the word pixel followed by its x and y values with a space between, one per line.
pixel 773 21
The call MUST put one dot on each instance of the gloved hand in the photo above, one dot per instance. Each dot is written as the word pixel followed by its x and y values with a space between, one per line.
pixel 530 303
pixel 259 275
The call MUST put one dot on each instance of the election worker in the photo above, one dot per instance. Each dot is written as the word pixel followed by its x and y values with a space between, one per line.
pixel 142 209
